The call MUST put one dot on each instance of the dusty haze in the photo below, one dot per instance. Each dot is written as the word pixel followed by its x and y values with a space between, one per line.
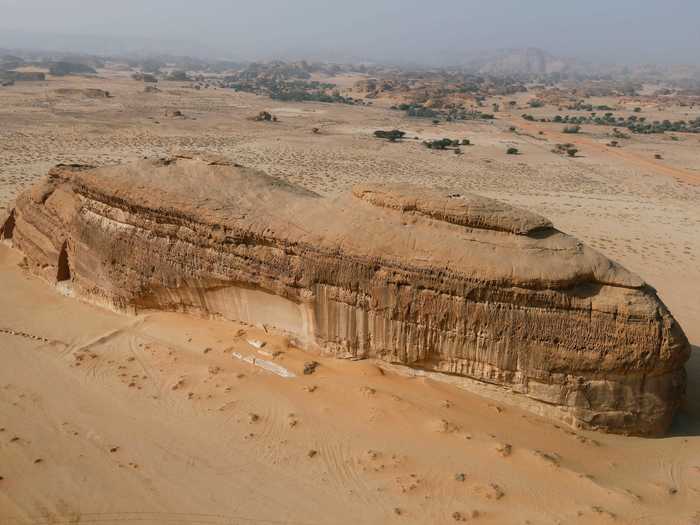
pixel 159 416
pixel 625 31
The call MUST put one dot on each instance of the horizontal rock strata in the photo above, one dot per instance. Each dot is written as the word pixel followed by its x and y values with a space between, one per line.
pixel 431 279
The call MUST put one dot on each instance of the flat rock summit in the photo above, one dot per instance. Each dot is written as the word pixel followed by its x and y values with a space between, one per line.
pixel 431 279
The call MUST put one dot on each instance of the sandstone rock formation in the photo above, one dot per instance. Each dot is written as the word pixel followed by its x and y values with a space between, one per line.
pixel 431 279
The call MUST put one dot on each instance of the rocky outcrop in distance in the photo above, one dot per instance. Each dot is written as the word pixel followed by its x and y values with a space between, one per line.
pixel 431 279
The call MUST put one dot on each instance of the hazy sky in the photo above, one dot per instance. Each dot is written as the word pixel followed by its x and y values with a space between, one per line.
pixel 663 31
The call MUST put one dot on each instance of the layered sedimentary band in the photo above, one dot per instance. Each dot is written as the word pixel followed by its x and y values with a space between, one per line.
pixel 431 279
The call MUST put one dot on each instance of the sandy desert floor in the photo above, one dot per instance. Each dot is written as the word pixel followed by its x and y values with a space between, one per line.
pixel 110 419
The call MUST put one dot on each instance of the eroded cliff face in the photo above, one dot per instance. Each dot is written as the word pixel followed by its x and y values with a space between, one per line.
pixel 430 279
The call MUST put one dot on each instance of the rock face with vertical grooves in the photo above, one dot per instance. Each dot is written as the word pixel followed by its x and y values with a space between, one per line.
pixel 431 279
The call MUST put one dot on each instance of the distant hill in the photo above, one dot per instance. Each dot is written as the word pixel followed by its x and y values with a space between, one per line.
pixel 524 61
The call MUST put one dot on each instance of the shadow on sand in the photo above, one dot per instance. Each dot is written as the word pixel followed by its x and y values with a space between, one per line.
pixel 687 421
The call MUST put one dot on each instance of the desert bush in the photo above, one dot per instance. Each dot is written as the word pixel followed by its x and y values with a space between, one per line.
pixel 60 69
pixel 391 136
pixel 442 144
pixel 619 134
pixel 633 123
pixel 561 149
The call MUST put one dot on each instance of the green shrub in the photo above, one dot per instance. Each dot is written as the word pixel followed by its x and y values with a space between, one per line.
pixel 391 136
pixel 59 69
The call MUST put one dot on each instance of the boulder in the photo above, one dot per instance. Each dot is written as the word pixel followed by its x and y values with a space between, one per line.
pixel 435 280
pixel 264 116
